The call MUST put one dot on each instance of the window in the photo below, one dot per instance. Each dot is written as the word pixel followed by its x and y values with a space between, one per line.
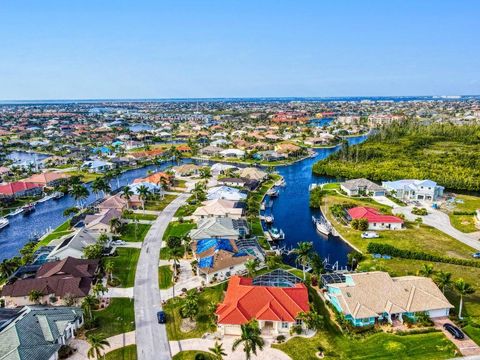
pixel 284 325
pixel 298 322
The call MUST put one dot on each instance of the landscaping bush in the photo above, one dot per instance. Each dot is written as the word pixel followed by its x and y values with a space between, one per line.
pixel 280 338
pixel 200 356
pixel 419 211
pixel 464 213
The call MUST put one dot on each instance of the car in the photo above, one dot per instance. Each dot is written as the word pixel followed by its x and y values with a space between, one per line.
pixel 476 255
pixel 370 235
pixel 162 317
pixel 118 242
pixel 455 331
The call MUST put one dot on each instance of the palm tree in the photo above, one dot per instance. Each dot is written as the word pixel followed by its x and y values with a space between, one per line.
pixel 143 193
pixel 127 193
pixel 99 288
pixel 251 265
pixel 303 252
pixel 463 288
pixel 426 270
pixel 88 303
pixel 443 280
pixel 175 254
pixel 190 304
pixel 217 351
pixel 79 193
pixel 35 296
pixel 109 269
pixel 105 186
pixel 7 267
pixel 97 345
pixel 250 338
pixel 116 225
pixel 97 186
pixel 317 265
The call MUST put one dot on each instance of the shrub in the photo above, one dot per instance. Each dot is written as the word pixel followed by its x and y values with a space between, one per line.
pixel 281 338
pixel 200 356
pixel 362 224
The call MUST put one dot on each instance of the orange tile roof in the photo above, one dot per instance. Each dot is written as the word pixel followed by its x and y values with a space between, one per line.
pixel 245 301
pixel 154 178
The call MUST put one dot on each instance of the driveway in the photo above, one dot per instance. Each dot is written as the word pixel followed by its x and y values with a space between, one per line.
pixel 441 221
pixel 466 346
pixel 116 342
pixel 151 337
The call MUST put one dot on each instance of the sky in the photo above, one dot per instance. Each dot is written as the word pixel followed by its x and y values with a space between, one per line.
pixel 91 49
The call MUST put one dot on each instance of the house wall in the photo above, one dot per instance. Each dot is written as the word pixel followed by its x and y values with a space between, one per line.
pixel 438 313
pixel 225 273
pixel 384 226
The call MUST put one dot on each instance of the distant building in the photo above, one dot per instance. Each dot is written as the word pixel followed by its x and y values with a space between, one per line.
pixel 376 220
pixel 19 189
pixel 362 186
pixel 220 228
pixel 414 190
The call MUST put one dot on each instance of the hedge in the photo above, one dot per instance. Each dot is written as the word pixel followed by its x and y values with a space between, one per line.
pixel 385 249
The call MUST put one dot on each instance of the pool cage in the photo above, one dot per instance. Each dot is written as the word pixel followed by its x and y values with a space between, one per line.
pixel 277 278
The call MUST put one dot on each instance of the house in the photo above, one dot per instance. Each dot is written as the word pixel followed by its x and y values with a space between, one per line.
pixel 186 170
pixel 269 155
pixel 72 245
pixel 226 193
pixel 233 181
pixel 210 150
pixel 219 168
pixel 274 305
pixel 47 179
pixel 362 187
pixel 38 332
pixel 119 203
pixel 414 190
pixel 100 222
pixel 232 153
pixel 288 149
pixel 253 173
pixel 376 220
pixel 159 178
pixel 220 228
pixel 152 188
pixel 220 258
pixel 55 280
pixel 97 166
pixel 218 208
pixel 368 297
pixel 19 189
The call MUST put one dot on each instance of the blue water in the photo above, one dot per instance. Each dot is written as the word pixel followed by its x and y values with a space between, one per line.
pixel 140 127
pixel 320 122
pixel 26 157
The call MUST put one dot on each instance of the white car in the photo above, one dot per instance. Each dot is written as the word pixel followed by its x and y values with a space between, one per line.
pixel 370 235
pixel 118 242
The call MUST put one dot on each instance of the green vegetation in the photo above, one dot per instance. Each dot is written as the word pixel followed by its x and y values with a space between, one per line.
pixel 139 216
pixel 62 230
pixel 203 319
pixel 185 210
pixel 117 318
pixel 178 229
pixel 84 175
pixel 445 153
pixel 125 265
pixel 473 333
pixel 126 353
pixel 190 355
pixel 135 232
pixel 316 196
pixel 462 216
pixel 165 275
pixel 159 205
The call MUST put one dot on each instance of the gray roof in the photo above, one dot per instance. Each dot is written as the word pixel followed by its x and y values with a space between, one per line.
pixel 356 184
pixel 218 227
pixel 33 335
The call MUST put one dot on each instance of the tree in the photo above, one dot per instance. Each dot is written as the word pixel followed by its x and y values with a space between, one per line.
pixel 273 261
pixel 99 288
pixel 463 288
pixel 89 302
pixel 97 185
pixel 143 193
pixel 189 306
pixel 109 269
pixel 250 338
pixel 312 320
pixel 116 225
pixel 217 351
pixel 353 258
pixel 97 346
pixel 35 296
pixel 127 194
pixel 251 265
pixel 363 224
pixel 303 252
pixel 70 211
pixel 7 267
pixel 444 280
pixel 79 193
pixel 317 265
pixel 426 270
pixel 175 254
pixel 93 251
pixel 174 242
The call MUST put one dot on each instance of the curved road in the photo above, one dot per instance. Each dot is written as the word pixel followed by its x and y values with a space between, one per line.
pixel 151 337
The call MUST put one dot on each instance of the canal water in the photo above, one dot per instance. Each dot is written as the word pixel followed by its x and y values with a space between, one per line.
pixel 24 157
pixel 291 211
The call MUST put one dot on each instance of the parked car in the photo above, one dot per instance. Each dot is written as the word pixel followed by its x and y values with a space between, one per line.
pixel 162 318
pixel 455 331
pixel 476 255
pixel 370 235
pixel 118 242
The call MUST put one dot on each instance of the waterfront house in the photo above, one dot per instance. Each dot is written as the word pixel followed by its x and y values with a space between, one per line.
pixel 158 178
pixel 253 173
pixel 98 166
pixel 186 170
pixel 218 208
pixel 376 220
pixel 219 168
pixel 119 203
pixel 210 150
pixel 18 189
pixel 226 193
pixel 414 190
pixel 369 297
pixel 274 304
pixel 54 280
pixel 38 332
pixel 288 149
pixel 100 222
pixel 232 153
pixel 72 245
pixel 227 228
pixel 47 179
pixel 362 186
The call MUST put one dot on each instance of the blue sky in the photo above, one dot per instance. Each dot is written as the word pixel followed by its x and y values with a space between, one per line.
pixel 161 49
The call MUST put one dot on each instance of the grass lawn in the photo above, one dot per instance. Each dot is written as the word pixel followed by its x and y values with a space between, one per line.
pixel 165 275
pixel 473 333
pixel 159 205
pixel 126 353
pixel 125 265
pixel 180 183
pixel 140 216
pixel 465 223
pixel 174 320
pixel 331 186
pixel 402 267
pixel 190 355
pixel 85 175
pixel 130 235
pixel 178 229
pixel 185 210
pixel 117 318
pixel 60 231
pixel 414 237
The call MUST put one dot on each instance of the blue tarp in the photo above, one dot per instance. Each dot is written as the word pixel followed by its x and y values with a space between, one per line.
pixel 206 262
pixel 217 244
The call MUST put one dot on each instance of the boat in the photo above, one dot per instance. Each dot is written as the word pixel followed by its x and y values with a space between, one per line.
pixel 16 212
pixel 57 195
pixel 29 208
pixel 281 182
pixel 46 198
pixel 3 222
pixel 322 225
pixel 273 192
pixel 268 219
pixel 276 234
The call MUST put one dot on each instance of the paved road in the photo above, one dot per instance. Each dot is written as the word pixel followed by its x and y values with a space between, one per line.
pixel 441 221
pixel 151 337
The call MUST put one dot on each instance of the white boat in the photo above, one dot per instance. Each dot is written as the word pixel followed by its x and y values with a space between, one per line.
pixel 281 182
pixel 16 212
pixel 269 219
pixel 46 198
pixel 272 192
pixel 3 222
pixel 276 234
pixel 57 195
pixel 322 226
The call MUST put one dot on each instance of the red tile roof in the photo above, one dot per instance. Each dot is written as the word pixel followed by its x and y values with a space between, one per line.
pixel 245 301
pixel 372 215
pixel 17 186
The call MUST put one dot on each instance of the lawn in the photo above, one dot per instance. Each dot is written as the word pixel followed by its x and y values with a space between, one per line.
pixel 85 175
pixel 140 216
pixel 473 333
pixel 159 205
pixel 174 320
pixel 185 210
pixel 125 265
pixel 135 232
pixel 465 223
pixel 190 355
pixel 117 318
pixel 414 237
pixel 180 183
pixel 126 353
pixel 178 229
pixel 165 275
pixel 60 231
